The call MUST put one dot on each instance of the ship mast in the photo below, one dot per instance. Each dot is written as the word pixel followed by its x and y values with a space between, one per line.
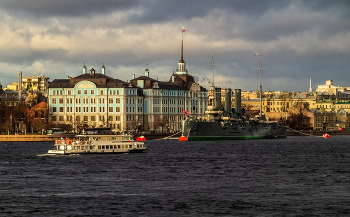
pixel 260 86
pixel 212 67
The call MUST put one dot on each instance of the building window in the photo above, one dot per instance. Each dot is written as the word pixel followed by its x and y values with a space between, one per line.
pixel 101 92
pixel 110 118
pixel 117 100
pixel 117 92
pixel 110 100
pixel 92 92
pixel 54 109
pixel 93 118
pixel 54 118
pixel 77 118
pixel 69 92
pixel 61 100
pixel 54 100
pixel 61 109
pixel 117 118
pixel 54 92
pixel 60 118
pixel 110 109
pixel 85 92
pixel 79 91
pixel 85 118
pixel 117 109
pixel 113 92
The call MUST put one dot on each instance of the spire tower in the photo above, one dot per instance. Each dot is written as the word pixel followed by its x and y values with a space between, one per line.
pixel 182 64
pixel 310 89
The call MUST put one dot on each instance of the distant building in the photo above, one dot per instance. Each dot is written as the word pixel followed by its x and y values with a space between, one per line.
pixel 329 89
pixel 38 83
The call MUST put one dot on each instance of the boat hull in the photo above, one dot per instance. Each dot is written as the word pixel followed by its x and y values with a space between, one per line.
pixel 67 152
pixel 98 144
pixel 220 130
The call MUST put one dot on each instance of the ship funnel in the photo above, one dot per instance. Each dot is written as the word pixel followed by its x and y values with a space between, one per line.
pixel 217 99
pixel 238 101
pixel 227 108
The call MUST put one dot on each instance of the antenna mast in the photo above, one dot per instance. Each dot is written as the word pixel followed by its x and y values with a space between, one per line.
pixel 212 67
pixel 260 86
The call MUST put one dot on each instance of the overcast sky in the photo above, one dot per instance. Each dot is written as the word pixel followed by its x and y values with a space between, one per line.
pixel 297 40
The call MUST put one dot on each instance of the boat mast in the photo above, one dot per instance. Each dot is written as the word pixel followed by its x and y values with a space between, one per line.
pixel 260 115
pixel 212 67
pixel 260 86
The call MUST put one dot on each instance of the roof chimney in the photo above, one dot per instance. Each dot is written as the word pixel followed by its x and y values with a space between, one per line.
pixel 92 71
pixel 133 76
pixel 146 72
pixel 173 78
pixel 20 86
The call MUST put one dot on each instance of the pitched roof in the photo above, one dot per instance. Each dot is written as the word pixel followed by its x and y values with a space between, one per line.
pixel 100 80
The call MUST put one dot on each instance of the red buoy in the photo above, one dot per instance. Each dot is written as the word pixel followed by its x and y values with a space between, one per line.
pixel 183 138
pixel 326 135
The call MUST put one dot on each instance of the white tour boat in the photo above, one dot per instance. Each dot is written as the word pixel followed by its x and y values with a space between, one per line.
pixel 98 144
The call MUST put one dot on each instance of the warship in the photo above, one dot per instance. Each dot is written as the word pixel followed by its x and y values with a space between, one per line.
pixel 227 123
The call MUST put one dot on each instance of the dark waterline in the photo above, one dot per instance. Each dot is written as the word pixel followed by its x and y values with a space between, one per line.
pixel 297 176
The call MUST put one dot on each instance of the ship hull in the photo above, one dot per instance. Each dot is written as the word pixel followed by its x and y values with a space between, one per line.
pixel 220 130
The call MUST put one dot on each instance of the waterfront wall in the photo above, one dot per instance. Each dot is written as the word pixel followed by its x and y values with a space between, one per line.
pixel 43 138
pixel 317 132
pixel 32 138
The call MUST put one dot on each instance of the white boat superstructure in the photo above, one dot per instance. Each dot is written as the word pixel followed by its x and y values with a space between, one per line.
pixel 98 144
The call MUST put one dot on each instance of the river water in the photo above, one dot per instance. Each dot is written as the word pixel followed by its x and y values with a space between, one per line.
pixel 297 176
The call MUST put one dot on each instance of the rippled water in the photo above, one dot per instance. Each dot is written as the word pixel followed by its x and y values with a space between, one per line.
pixel 297 176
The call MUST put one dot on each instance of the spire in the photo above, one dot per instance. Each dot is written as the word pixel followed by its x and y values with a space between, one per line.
pixel 182 47
pixel 182 64
pixel 310 90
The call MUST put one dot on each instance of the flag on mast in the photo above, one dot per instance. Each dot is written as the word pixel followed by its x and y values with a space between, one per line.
pixel 183 30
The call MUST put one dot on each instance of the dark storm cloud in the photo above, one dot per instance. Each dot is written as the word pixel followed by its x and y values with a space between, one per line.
pixel 298 38
pixel 161 11
pixel 153 10
pixel 66 7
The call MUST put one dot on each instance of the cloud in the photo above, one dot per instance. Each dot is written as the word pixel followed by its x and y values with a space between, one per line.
pixel 298 39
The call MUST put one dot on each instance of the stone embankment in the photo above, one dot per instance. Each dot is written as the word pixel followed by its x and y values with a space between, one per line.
pixel 43 138
pixel 317 132
pixel 32 138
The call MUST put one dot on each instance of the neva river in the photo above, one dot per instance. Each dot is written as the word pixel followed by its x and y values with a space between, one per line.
pixel 297 176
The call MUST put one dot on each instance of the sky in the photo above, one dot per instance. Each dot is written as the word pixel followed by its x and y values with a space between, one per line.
pixel 296 39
